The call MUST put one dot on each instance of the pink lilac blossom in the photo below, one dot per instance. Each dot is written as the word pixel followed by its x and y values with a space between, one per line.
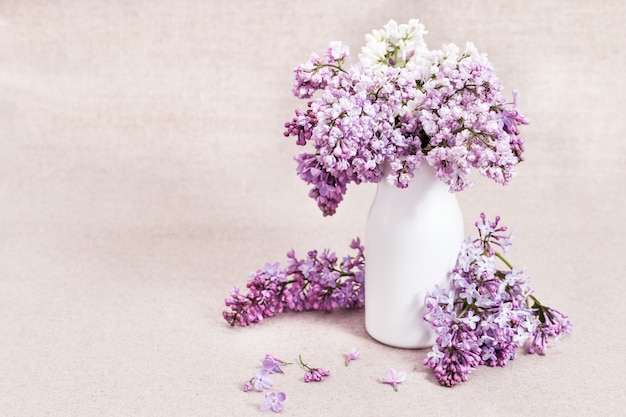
pixel 313 374
pixel 401 105
pixel 320 282
pixel 487 313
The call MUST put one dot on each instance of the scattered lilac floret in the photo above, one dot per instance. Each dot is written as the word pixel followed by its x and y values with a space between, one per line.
pixel 262 381
pixel 392 378
pixel 273 401
pixel 352 355
pixel 273 365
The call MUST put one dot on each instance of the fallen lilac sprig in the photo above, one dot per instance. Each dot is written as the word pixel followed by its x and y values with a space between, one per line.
pixel 393 378
pixel 488 312
pixel 313 374
pixel 320 282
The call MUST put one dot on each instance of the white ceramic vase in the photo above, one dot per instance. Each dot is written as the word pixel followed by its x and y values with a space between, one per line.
pixel 412 240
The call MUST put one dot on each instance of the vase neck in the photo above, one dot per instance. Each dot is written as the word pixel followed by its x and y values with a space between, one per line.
pixel 424 181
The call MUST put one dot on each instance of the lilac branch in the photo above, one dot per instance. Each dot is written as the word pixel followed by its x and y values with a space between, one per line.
pixel 318 282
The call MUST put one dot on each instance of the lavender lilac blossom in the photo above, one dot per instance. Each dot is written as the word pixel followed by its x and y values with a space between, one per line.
pixel 318 282
pixel 274 402
pixel 393 378
pixel 487 313
pixel 401 104
pixel 273 365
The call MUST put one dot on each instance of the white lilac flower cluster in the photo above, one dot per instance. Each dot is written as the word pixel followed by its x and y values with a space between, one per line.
pixel 401 104
pixel 487 313
pixel 395 46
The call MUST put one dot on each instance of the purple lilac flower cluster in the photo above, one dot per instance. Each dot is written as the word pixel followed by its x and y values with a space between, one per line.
pixel 401 104
pixel 320 281
pixel 488 313
pixel 467 120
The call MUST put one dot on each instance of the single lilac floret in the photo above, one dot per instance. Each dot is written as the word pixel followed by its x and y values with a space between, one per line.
pixel 393 378
pixel 274 402
pixel 352 355
pixel 273 365
pixel 262 381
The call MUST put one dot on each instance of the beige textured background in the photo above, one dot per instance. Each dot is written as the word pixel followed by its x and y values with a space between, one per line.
pixel 143 173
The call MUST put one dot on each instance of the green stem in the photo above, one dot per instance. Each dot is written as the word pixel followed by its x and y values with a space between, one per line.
pixel 464 311
pixel 332 66
pixel 481 137
pixel 532 297
pixel 304 364
pixel 503 259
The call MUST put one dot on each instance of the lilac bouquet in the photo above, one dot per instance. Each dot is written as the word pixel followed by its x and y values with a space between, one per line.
pixel 401 105
pixel 487 313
